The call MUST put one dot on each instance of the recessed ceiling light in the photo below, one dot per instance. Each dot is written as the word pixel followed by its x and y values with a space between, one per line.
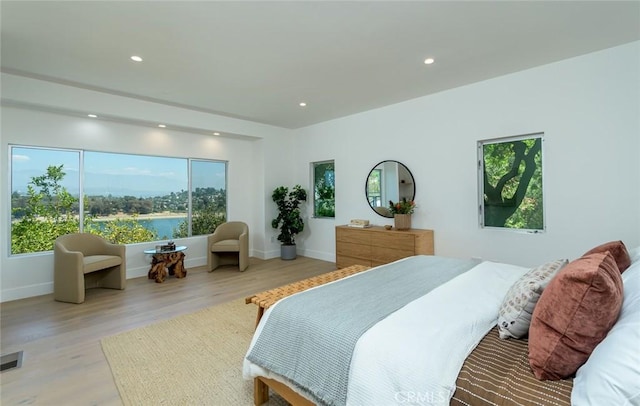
pixel 429 61
pixel 92 115
pixel 303 104
pixel 162 126
pixel 216 133
pixel 136 58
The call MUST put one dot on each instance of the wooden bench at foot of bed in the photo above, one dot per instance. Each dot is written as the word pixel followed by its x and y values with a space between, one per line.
pixel 266 299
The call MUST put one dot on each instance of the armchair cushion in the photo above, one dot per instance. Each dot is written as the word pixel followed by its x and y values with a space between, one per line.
pixel 97 262
pixel 225 246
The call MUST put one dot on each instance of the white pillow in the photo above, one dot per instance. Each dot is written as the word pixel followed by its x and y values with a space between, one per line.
pixel 634 254
pixel 517 306
pixel 611 375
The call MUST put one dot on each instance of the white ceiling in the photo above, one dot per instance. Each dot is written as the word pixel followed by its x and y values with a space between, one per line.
pixel 258 60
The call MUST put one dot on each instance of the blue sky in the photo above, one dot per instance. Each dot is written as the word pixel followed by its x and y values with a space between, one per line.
pixel 115 174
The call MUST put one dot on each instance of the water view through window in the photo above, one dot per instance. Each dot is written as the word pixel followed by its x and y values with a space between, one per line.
pixel 122 197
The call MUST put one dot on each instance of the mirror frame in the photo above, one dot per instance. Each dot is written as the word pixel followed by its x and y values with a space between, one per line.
pixel 400 181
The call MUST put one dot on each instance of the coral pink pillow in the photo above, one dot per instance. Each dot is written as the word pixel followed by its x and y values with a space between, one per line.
pixel 574 313
pixel 619 252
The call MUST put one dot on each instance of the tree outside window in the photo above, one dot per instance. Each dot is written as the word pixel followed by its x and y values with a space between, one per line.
pixel 44 199
pixel 510 182
pixel 324 189
pixel 123 198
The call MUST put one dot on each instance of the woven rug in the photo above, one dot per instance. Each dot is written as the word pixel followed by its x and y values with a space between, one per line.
pixel 195 359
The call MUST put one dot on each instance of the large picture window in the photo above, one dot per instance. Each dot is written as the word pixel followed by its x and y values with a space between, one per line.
pixel 510 182
pixel 121 197
pixel 324 189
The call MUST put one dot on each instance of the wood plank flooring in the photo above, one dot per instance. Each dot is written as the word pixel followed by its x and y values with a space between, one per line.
pixel 63 362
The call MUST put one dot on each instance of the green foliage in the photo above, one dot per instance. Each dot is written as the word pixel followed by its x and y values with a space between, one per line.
pixel 202 222
pixel 48 213
pixel 513 184
pixel 121 231
pixel 35 235
pixel 209 211
pixel 402 207
pixel 324 190
pixel 289 218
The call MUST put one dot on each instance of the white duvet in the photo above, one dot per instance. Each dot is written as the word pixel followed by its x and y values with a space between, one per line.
pixel 413 356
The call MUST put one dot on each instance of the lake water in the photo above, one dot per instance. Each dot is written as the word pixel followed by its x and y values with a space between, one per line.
pixel 163 226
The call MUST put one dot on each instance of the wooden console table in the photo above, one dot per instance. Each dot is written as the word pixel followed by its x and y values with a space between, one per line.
pixel 376 245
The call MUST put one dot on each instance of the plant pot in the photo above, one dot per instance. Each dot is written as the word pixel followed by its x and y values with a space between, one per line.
pixel 402 221
pixel 288 252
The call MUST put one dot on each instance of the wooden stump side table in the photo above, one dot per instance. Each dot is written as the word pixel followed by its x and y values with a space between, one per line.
pixel 167 262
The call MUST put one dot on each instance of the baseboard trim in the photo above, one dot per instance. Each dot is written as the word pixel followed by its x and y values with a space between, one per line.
pixel 46 288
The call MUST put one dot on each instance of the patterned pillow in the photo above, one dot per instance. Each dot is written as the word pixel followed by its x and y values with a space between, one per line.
pixel 515 312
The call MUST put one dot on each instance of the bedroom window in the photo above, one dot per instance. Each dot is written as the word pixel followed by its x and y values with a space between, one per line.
pixel 208 197
pixel 324 189
pixel 121 197
pixel 45 190
pixel 510 183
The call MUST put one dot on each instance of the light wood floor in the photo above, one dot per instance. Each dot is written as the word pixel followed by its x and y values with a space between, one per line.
pixel 63 362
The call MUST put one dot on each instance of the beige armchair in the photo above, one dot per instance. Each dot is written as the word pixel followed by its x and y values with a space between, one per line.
pixel 229 244
pixel 83 261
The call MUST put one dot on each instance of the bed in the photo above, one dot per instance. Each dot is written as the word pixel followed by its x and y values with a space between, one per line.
pixel 425 330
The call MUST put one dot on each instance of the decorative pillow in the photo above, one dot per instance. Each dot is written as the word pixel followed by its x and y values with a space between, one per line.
pixel 515 312
pixel 618 250
pixel 611 375
pixel 573 315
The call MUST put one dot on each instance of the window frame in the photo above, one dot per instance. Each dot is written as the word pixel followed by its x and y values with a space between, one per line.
pixel 314 199
pixel 82 195
pixel 481 180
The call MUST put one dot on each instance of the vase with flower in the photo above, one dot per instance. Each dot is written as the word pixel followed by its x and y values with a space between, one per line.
pixel 402 211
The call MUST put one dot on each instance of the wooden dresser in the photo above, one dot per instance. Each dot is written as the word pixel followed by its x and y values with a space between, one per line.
pixel 375 245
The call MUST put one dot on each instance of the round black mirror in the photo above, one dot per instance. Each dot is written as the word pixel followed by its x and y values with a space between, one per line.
pixel 389 180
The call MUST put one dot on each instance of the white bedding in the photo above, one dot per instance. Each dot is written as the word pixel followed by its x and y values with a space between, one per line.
pixel 414 355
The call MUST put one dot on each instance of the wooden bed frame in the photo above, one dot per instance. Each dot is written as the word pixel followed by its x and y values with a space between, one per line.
pixel 261 387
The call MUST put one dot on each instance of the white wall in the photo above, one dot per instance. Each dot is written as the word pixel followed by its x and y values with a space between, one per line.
pixel 589 109
pixel 29 275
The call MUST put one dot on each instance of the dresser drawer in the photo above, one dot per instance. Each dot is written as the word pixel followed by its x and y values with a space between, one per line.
pixel 386 255
pixel 350 249
pixel 398 240
pixel 353 235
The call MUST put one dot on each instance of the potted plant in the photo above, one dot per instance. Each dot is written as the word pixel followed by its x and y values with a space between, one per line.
pixel 289 219
pixel 402 213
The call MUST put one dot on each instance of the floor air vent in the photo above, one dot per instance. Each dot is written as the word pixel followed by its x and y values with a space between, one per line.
pixel 10 361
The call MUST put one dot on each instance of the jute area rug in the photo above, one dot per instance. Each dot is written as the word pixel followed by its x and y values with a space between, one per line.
pixel 195 359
